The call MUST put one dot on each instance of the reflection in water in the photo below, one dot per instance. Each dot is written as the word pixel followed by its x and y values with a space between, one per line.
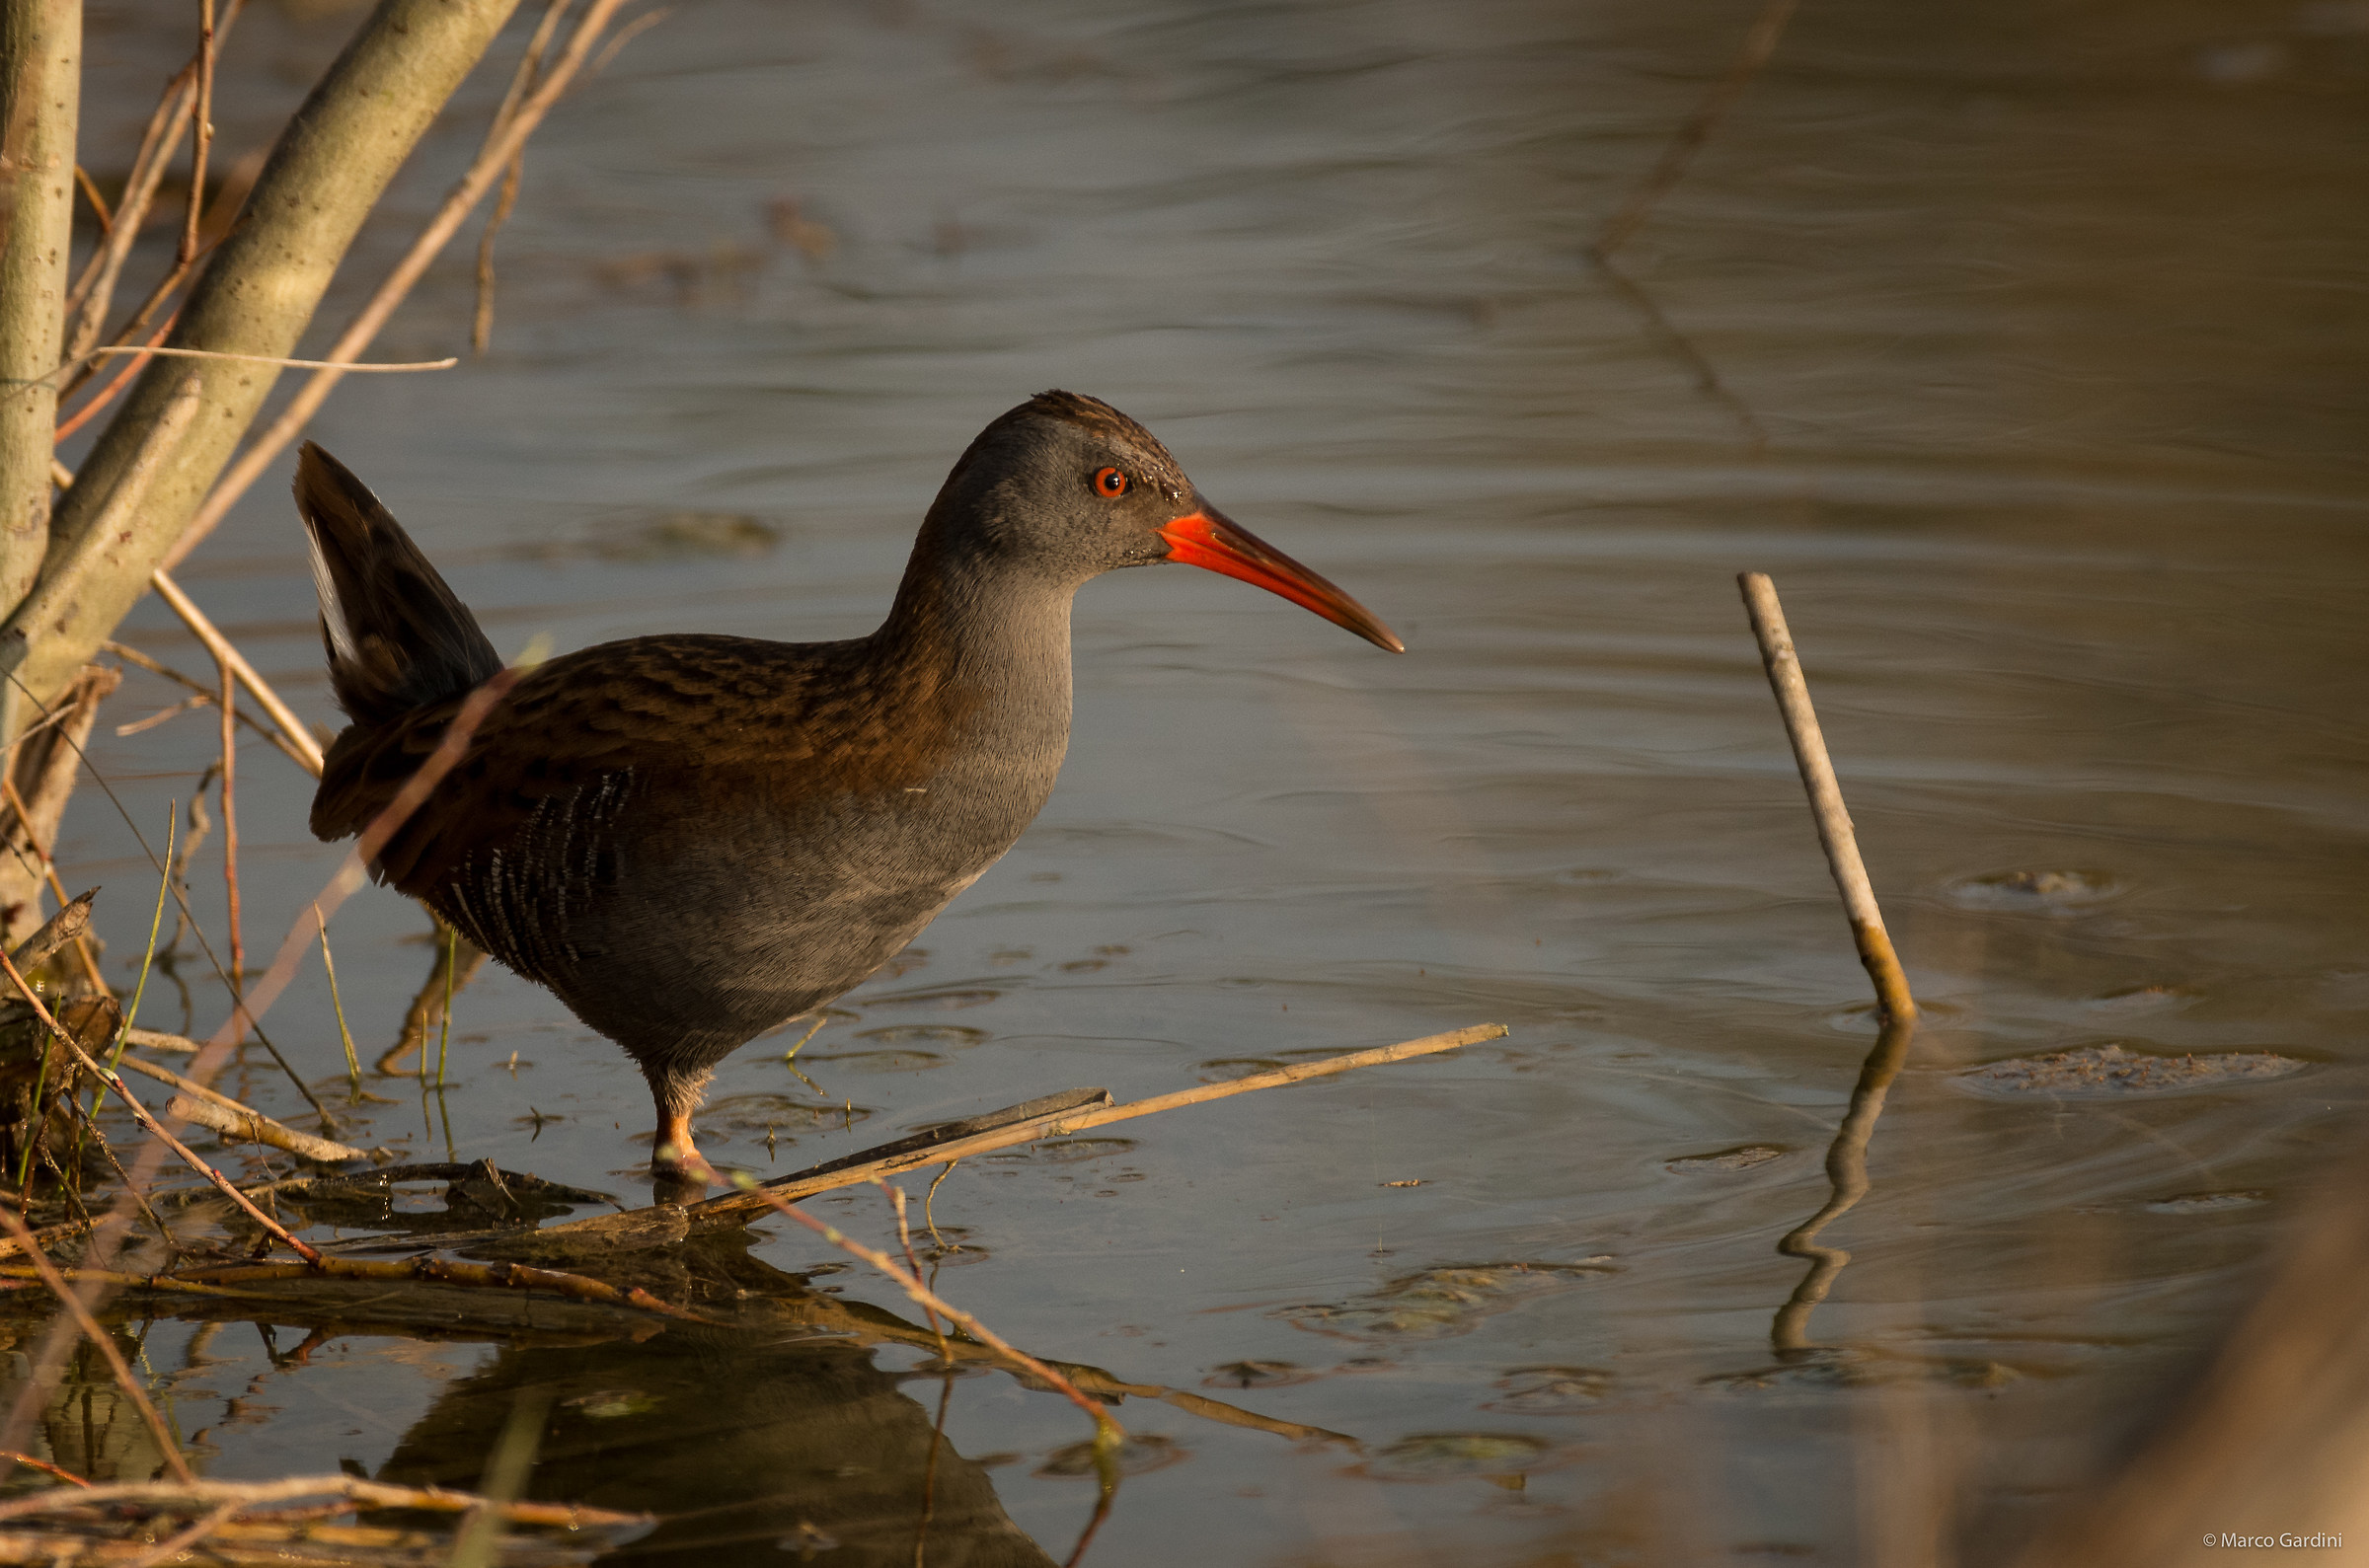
pixel 1846 1170
pixel 752 1451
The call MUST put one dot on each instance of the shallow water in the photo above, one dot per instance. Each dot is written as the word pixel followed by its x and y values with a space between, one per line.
pixel 2051 319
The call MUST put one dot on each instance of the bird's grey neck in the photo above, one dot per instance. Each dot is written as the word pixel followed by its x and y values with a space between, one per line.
pixel 1000 633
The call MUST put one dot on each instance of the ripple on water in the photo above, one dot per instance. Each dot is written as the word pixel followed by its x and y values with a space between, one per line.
pixel 1550 1390
pixel 1741 1157
pixel 954 1037
pixel 1830 1371
pixel 756 1113
pixel 2100 1072
pixel 1440 1303
pixel 1144 1452
pixel 1061 1151
pixel 2036 892
pixel 879 1061
pixel 1448 1456
pixel 947 999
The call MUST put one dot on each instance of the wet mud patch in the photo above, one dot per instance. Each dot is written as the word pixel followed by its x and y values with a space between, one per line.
pixel 1441 1302
pixel 1455 1456
pixel 2064 892
pixel 2102 1072
pixel 1743 1156
pixel 1551 1390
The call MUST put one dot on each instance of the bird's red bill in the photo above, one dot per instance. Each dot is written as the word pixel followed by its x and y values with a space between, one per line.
pixel 1210 539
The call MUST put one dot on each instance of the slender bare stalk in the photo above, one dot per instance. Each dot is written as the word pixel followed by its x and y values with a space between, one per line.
pixel 257 294
pixel 205 698
pixel 202 122
pixel 354 1065
pixel 228 699
pixel 103 1342
pixel 499 148
pixel 481 330
pixel 98 401
pixel 1835 833
pixel 94 292
pixel 98 207
pixel 375 367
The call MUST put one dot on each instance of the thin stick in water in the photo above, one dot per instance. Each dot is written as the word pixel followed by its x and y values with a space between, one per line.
pixel 336 1002
pixel 1777 655
pixel 229 701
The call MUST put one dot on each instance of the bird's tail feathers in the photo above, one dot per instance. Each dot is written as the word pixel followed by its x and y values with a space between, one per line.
pixel 398 636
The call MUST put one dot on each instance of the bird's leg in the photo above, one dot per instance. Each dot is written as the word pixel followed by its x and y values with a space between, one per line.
pixel 672 1151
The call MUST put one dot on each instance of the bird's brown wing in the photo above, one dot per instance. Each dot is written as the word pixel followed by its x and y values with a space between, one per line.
pixel 792 722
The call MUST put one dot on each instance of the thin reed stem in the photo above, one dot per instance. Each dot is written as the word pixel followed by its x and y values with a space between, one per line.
pixel 452 962
pixel 336 1002
pixel 229 701
pixel 1835 833
pixel 500 146
pixel 202 132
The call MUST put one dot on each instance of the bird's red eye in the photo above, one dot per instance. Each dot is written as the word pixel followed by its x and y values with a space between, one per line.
pixel 1112 482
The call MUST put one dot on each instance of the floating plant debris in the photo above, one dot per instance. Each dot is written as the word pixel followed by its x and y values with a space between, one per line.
pixel 2036 892
pixel 1837 1369
pixel 1140 1452
pixel 1446 1456
pixel 2099 1070
pixel 1550 1390
pixel 1439 1303
pixel 1257 1375
pixel 1741 1157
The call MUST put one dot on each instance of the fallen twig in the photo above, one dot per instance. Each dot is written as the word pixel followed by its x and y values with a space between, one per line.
pixel 191 1496
pixel 238 1122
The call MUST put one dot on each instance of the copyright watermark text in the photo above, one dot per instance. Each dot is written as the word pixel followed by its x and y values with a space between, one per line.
pixel 2322 1540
